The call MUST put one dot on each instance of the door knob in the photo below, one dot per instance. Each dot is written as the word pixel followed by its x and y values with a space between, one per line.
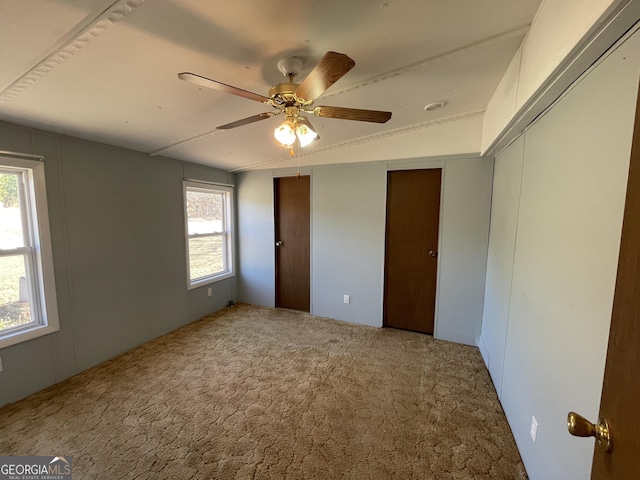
pixel 581 427
pixel 279 243
pixel 433 253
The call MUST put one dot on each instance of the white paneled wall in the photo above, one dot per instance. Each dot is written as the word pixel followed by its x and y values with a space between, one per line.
pixel 565 37
pixel 552 262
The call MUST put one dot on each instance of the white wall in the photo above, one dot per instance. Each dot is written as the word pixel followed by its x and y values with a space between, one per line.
pixel 505 204
pixel 348 227
pixel 565 37
pixel 559 25
pixel 574 170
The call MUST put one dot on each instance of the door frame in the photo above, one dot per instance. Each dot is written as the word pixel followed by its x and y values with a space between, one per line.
pixel 420 165
pixel 625 303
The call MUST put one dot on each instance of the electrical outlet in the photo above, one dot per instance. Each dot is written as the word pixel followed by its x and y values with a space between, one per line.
pixel 533 431
pixel 347 299
pixel 209 292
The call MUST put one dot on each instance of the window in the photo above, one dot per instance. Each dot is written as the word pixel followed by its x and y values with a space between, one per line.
pixel 28 307
pixel 209 220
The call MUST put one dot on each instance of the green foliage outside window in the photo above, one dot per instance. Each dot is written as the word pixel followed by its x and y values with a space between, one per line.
pixel 9 190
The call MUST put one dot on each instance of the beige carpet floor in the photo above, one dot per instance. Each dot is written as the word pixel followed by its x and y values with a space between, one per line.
pixel 258 393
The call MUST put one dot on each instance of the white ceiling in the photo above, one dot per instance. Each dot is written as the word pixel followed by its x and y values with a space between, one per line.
pixel 107 71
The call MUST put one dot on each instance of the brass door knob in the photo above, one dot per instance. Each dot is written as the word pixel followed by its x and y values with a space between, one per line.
pixel 433 253
pixel 581 427
pixel 279 243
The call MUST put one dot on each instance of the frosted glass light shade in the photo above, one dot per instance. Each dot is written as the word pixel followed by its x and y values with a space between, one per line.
pixel 285 134
pixel 305 135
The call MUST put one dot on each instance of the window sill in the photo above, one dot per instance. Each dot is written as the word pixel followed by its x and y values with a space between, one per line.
pixel 20 336
pixel 209 280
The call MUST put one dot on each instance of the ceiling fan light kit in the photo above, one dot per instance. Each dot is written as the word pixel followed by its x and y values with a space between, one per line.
pixel 295 126
pixel 292 98
pixel 291 129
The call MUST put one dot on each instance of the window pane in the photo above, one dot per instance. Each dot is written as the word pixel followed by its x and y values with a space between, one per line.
pixel 206 256
pixel 205 212
pixel 10 221
pixel 15 307
pixel 209 235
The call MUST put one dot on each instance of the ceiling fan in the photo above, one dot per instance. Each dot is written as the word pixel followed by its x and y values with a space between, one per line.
pixel 294 98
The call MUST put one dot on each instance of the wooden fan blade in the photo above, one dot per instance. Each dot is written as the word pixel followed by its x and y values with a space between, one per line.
pixel 330 69
pixel 375 116
pixel 222 87
pixel 248 120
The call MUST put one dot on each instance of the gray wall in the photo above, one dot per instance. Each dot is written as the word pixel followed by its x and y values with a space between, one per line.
pixel 256 238
pixel 464 237
pixel 556 224
pixel 117 228
pixel 347 244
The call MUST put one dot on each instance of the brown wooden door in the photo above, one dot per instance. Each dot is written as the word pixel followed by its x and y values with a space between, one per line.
pixel 620 403
pixel 411 248
pixel 293 224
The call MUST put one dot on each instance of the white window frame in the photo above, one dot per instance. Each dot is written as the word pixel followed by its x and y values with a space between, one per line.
pixel 227 233
pixel 41 280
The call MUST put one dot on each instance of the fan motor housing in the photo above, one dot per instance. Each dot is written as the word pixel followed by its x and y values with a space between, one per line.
pixel 284 91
